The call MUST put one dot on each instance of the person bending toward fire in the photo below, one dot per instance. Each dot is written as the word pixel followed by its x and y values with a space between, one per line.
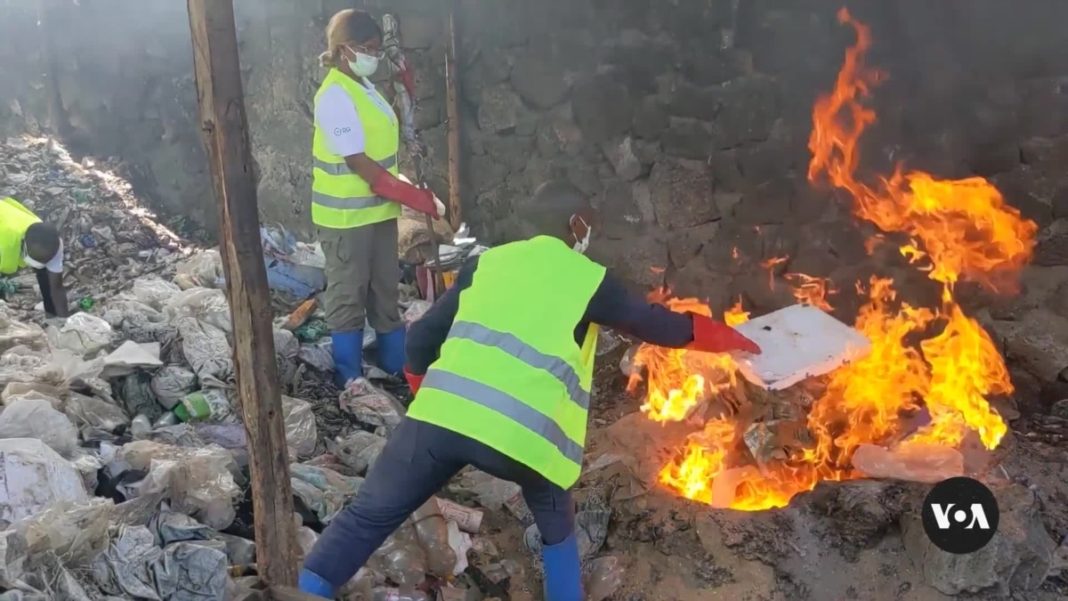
pixel 26 241
pixel 501 368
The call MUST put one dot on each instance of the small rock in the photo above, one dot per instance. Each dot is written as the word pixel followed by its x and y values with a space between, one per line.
pixel 687 139
pixel 1060 409
pixel 688 100
pixel 650 119
pixel 540 81
pixel 623 159
pixel 1052 244
pixel 682 194
pixel 1037 341
pixel 603 107
pixel 500 109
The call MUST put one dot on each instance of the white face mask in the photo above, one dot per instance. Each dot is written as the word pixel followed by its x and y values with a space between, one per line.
pixel 365 65
pixel 583 245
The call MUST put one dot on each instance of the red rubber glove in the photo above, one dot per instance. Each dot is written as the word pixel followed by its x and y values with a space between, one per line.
pixel 420 199
pixel 714 337
pixel 414 381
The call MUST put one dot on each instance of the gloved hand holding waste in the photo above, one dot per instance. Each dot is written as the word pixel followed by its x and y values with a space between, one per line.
pixel 712 336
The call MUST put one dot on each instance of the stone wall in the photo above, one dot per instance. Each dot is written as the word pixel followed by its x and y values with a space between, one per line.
pixel 686 120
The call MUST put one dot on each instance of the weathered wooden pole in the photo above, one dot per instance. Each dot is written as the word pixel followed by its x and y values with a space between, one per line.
pixel 225 129
pixel 452 107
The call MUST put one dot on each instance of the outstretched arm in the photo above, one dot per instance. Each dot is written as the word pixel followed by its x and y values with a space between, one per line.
pixel 620 309
pixel 426 335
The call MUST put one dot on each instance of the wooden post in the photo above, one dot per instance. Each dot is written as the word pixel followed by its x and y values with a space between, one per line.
pixel 225 128
pixel 452 106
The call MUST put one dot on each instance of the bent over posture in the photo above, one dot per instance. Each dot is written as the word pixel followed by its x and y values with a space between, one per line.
pixel 25 241
pixel 502 368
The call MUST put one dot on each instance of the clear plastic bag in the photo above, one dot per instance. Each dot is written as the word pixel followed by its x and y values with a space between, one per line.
pixel 96 418
pixel 154 292
pixel 171 383
pixel 358 450
pixel 82 333
pixel 35 418
pixel 302 435
pixel 206 348
pixel 204 304
pixel 432 532
pixel 323 490
pixel 15 333
pixel 35 477
pixel 203 269
pixel 370 404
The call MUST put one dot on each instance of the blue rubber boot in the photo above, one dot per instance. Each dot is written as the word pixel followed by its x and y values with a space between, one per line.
pixel 563 577
pixel 314 584
pixel 391 351
pixel 348 356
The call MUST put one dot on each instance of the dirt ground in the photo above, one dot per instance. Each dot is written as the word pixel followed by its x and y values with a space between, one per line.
pixel 673 549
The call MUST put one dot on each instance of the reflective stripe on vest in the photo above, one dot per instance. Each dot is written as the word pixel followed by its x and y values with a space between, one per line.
pixel 527 354
pixel 510 373
pixel 342 199
pixel 343 168
pixel 506 405
pixel 15 219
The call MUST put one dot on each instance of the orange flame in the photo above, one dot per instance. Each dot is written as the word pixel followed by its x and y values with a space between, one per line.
pixel 955 230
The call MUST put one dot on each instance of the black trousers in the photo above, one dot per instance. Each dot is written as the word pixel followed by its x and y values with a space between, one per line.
pixel 416 462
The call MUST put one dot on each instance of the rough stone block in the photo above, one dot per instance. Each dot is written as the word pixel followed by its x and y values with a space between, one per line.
pixel 684 244
pixel 638 257
pixel 485 173
pixel 1017 559
pixel 624 161
pixel 766 205
pixel 687 139
pixel 682 194
pixel 603 107
pixel 688 100
pixel 650 119
pixel 640 59
pixel 492 67
pixel 698 279
pixel 750 108
pixel 1052 246
pixel 500 109
pixel 541 81
pixel 1037 342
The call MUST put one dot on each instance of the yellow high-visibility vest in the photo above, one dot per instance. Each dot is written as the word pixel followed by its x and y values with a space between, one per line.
pixel 510 373
pixel 341 199
pixel 15 219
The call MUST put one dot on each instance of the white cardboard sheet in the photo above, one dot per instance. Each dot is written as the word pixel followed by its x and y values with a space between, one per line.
pixel 798 342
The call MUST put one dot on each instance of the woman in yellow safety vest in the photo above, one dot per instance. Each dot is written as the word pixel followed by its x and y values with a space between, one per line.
pixel 357 197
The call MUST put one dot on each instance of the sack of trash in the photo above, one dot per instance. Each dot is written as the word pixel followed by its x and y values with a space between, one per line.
pixel 204 304
pixel 37 418
pixel 206 349
pixel 154 291
pixel 302 435
pixel 35 477
pixel 322 490
pixel 204 269
pixel 370 404
pixel 96 418
pixel 16 333
pixel 171 384
pixel 199 481
pixel 82 333
pixel 358 450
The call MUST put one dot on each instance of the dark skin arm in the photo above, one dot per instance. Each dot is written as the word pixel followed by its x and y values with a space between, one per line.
pixel 53 293
pixel 364 166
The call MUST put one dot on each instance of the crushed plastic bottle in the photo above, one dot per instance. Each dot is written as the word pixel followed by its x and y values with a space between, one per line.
pixel 204 405
pixel 433 533
pixel 140 427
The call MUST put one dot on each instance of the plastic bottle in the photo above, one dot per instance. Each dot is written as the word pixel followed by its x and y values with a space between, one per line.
pixel 433 533
pixel 140 427
pixel 204 405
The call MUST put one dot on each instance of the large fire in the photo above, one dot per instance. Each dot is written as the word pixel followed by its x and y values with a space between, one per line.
pixel 931 359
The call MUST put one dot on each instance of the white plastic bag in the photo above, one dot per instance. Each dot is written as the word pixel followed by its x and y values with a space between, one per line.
pixel 130 356
pixel 206 348
pixel 36 418
pixel 96 418
pixel 301 432
pixel 14 333
pixel 205 304
pixel 200 482
pixel 154 292
pixel 203 269
pixel 171 383
pixel 82 333
pixel 34 478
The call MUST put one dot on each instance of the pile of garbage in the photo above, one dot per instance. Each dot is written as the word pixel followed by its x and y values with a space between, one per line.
pixel 108 238
pixel 125 469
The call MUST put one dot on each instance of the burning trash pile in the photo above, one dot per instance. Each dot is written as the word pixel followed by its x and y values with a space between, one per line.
pixel 900 409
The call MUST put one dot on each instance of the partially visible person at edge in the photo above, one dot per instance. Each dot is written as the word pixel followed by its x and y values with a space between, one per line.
pixel 502 367
pixel 25 241
pixel 357 197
